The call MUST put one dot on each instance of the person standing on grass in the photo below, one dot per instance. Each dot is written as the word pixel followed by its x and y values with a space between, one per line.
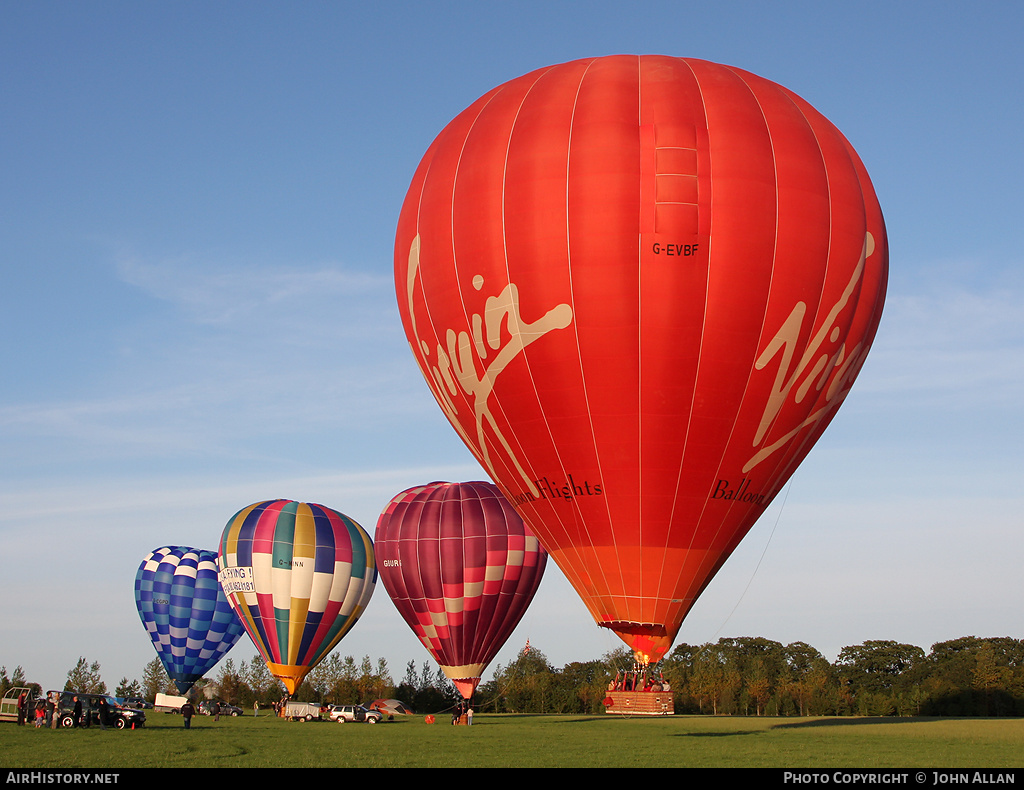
pixel 102 712
pixel 187 712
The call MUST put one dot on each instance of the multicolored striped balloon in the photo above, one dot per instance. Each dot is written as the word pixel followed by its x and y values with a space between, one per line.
pixel 181 604
pixel 461 568
pixel 299 575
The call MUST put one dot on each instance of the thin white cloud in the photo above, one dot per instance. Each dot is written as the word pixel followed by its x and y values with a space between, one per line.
pixel 210 290
pixel 278 349
pixel 950 342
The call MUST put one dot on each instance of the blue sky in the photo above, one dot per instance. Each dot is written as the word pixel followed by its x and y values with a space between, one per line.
pixel 197 212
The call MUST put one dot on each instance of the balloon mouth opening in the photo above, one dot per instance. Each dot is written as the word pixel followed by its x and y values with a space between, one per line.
pixel 184 686
pixel 636 629
pixel 649 641
pixel 292 676
pixel 466 686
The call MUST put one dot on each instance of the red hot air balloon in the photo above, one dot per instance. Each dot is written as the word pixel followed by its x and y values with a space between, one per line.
pixel 462 568
pixel 639 288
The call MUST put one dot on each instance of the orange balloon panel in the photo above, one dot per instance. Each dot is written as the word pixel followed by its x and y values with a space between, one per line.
pixel 639 287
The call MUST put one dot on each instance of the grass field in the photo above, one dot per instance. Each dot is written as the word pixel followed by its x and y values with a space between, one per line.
pixel 496 741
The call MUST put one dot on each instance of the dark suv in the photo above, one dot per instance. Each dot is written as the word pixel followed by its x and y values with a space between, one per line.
pixel 206 708
pixel 118 715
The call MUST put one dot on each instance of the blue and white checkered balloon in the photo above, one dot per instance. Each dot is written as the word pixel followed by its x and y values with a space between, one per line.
pixel 185 613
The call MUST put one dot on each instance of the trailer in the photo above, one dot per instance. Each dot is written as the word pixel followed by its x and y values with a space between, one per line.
pixel 168 703
pixel 301 711
pixel 9 703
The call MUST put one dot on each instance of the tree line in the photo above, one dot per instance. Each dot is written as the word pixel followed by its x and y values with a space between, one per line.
pixel 744 676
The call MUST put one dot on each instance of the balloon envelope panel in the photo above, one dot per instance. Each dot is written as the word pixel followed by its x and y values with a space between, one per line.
pixel 185 612
pixel 299 575
pixel 639 288
pixel 461 568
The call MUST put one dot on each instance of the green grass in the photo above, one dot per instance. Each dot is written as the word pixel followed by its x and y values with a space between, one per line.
pixel 528 741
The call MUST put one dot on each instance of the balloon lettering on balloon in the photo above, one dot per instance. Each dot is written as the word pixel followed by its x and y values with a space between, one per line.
pixel 640 287
pixel 185 612
pixel 299 575
pixel 461 568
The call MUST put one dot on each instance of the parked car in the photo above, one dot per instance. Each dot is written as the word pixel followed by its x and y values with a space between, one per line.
pixel 120 716
pixel 134 702
pixel 344 713
pixel 226 709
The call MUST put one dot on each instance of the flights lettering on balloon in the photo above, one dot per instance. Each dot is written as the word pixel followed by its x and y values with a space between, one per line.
pixel 456 365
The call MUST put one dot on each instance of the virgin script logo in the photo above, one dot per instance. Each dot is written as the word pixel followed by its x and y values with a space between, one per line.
pixel 454 366
pixel 823 362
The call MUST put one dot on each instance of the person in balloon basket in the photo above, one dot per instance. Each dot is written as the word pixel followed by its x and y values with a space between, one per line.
pixel 187 712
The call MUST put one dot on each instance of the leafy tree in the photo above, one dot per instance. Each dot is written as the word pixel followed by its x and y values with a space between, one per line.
pixel 991 680
pixel 374 682
pixel 879 676
pixel 407 689
pixel 523 685
pixel 342 676
pixel 807 679
pixel 154 679
pixel 85 677
pixel 16 680
pixel 877 665
pixel 707 679
pixel 319 680
pixel 969 676
pixel 586 685
pixel 229 685
pixel 758 685
pixel 263 687
pixel 128 688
